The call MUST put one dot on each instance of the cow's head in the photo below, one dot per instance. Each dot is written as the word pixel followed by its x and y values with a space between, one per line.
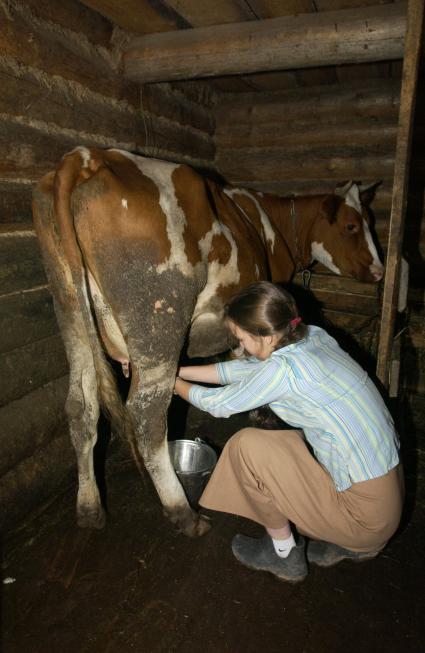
pixel 342 240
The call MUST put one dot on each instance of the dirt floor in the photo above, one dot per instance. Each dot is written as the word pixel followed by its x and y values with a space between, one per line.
pixel 140 586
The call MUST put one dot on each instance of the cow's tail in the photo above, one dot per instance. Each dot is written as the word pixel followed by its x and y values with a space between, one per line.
pixel 76 167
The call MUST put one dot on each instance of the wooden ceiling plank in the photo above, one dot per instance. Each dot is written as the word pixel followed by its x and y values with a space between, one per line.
pixel 305 41
pixel 219 12
pixel 275 8
pixel 138 16
pixel 331 5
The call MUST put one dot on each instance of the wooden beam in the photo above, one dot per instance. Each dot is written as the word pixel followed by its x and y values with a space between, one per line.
pixel 412 55
pixel 289 42
pixel 376 98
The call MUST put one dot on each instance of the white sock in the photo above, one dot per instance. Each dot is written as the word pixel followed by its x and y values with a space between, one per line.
pixel 284 547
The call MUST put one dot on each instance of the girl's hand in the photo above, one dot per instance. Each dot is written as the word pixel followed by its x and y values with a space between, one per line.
pixel 182 388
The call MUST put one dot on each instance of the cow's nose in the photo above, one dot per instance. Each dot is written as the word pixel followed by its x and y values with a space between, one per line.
pixel 377 271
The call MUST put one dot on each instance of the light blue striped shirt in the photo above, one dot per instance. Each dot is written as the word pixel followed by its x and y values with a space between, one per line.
pixel 317 387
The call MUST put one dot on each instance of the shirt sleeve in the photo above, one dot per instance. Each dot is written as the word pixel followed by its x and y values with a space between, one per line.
pixel 236 370
pixel 264 385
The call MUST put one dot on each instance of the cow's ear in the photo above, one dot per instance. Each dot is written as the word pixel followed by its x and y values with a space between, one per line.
pixel 367 193
pixel 330 206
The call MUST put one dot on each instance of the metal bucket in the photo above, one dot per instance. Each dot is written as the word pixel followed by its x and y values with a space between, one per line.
pixel 193 461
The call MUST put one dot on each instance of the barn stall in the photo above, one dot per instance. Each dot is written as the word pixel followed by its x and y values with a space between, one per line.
pixel 324 92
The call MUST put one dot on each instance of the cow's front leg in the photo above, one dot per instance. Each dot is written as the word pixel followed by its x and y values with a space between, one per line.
pixel 82 408
pixel 148 406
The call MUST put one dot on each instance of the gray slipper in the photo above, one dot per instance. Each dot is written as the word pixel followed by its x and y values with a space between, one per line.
pixel 260 554
pixel 325 554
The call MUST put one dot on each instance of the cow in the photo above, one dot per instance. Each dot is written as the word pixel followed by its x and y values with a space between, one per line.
pixel 142 256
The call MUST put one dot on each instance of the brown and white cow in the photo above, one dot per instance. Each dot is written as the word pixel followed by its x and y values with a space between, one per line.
pixel 142 256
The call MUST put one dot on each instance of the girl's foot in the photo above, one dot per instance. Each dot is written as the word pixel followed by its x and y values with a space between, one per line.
pixel 326 554
pixel 260 554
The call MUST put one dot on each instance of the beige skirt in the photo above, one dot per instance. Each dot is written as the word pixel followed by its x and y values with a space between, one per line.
pixel 271 477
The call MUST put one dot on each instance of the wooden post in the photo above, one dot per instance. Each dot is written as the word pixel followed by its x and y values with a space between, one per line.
pixel 412 51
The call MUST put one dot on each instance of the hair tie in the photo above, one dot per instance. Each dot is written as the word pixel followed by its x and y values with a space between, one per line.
pixel 295 322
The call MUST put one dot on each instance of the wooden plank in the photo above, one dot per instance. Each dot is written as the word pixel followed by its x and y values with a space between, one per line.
pixel 348 321
pixel 38 147
pixel 26 317
pixel 32 421
pixel 31 41
pixel 339 37
pixel 200 14
pixel 21 266
pixel 266 81
pixel 360 72
pixel 15 202
pixel 274 8
pixel 27 92
pixel 197 92
pixel 362 328
pixel 73 15
pixel 312 133
pixel 373 99
pixel 30 367
pixel 162 101
pixel 347 302
pixel 259 166
pixel 328 5
pixel 336 283
pixel 37 478
pixel 416 329
pixel 297 150
pixel 401 170
pixel 316 76
pixel 297 186
pixel 139 16
pixel 167 140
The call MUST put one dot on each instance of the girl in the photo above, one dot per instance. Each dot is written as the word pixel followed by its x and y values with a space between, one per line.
pixel 336 476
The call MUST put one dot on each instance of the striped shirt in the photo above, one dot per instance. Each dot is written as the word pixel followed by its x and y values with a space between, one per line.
pixel 315 386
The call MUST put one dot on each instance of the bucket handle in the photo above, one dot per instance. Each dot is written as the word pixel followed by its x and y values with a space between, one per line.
pixel 201 441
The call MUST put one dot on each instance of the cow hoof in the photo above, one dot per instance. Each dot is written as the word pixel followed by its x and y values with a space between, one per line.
pixel 189 523
pixel 200 526
pixel 91 519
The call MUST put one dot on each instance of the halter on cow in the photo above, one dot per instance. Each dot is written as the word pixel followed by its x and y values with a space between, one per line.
pixel 143 254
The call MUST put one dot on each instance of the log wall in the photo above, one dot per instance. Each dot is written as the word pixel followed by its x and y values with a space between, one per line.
pixel 307 140
pixel 61 87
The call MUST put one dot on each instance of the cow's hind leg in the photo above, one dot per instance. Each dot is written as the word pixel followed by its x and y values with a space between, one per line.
pixel 150 396
pixel 82 409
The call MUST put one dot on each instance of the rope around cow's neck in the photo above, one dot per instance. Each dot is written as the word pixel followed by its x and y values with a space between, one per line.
pixel 305 272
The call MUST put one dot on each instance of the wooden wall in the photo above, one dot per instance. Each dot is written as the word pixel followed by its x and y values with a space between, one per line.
pixel 61 87
pixel 307 140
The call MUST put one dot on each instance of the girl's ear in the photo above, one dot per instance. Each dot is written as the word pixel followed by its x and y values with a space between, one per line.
pixel 274 339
